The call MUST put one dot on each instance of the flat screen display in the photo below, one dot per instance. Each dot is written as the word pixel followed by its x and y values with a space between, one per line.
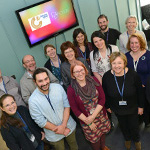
pixel 46 19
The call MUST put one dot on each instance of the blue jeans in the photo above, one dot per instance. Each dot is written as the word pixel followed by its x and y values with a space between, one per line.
pixel 40 146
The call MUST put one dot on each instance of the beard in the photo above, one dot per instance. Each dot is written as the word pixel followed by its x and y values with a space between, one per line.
pixel 43 89
pixel 104 27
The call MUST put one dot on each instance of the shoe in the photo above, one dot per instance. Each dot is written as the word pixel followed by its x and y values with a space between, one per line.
pixel 105 148
pixel 138 145
pixel 128 145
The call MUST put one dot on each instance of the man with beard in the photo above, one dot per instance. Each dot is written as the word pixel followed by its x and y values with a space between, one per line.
pixel 50 109
pixel 26 83
pixel 111 34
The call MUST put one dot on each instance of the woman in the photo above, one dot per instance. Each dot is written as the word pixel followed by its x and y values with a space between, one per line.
pixel 87 99
pixel 131 24
pixel 18 130
pixel 139 60
pixel 82 45
pixel 124 96
pixel 69 53
pixel 100 56
pixel 54 61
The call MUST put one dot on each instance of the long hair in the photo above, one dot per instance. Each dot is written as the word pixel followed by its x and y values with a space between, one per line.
pixel 6 119
pixel 100 35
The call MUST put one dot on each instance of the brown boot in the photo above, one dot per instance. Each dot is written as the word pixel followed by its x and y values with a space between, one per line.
pixel 138 145
pixel 105 148
pixel 128 145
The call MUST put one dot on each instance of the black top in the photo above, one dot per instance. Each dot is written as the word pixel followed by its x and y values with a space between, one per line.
pixel 148 89
pixel 133 92
pixel 48 64
pixel 113 35
pixel 15 138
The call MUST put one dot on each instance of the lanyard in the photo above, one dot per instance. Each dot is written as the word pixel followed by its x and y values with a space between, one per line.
pixel 120 92
pixel 128 34
pixel 4 87
pixel 26 127
pixel 135 63
pixel 47 97
pixel 84 55
pixel 58 62
pixel 107 35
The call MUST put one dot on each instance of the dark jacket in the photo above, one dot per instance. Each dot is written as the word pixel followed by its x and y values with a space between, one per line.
pixel 15 138
pixel 48 64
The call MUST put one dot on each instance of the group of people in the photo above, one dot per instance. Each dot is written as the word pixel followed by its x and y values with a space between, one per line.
pixel 90 79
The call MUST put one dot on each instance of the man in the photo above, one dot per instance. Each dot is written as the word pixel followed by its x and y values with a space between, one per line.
pixel 49 107
pixel 111 34
pixel 26 83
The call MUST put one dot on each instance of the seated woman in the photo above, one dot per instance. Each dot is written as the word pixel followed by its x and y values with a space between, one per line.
pixel 100 56
pixel 18 130
pixel 124 96
pixel 87 99
pixel 70 55
pixel 131 24
pixel 81 44
pixel 54 61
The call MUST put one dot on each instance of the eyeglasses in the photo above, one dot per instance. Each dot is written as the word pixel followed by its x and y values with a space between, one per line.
pixel 32 60
pixel 8 105
pixel 80 71
pixel 67 52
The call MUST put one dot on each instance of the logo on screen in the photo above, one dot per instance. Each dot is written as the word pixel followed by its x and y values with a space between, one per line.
pixel 39 21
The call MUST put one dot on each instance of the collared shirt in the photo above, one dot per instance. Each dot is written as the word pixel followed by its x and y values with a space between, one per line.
pixel 41 111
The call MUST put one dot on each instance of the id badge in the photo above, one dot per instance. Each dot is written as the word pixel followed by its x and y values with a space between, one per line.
pixel 122 103
pixel 32 138
pixel 91 111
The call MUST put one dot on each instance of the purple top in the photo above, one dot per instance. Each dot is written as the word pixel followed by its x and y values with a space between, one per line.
pixel 143 66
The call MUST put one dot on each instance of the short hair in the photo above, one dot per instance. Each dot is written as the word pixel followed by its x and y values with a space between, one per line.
pixel 140 39
pixel 64 46
pixel 38 71
pixel 114 55
pixel 78 63
pixel 24 57
pixel 46 46
pixel 3 97
pixel 75 34
pixel 131 16
pixel 102 16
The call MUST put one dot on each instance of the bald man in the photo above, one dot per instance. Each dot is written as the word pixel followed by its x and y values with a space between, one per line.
pixel 26 83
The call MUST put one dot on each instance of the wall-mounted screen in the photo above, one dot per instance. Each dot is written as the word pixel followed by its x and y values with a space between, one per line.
pixel 46 19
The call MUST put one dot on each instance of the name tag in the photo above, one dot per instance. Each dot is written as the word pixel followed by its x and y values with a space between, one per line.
pixel 122 103
pixel 32 138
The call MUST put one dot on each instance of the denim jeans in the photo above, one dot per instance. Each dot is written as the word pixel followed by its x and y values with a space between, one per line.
pixel 40 146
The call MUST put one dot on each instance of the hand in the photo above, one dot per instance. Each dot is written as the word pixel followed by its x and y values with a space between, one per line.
pixel 93 126
pixel 66 132
pixel 59 129
pixel 43 135
pixel 143 85
pixel 109 110
pixel 89 119
pixel 140 111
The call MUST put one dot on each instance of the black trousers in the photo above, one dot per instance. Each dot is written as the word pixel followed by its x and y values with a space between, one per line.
pixel 129 126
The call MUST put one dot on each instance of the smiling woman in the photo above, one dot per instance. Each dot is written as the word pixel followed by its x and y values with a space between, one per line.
pixel 126 99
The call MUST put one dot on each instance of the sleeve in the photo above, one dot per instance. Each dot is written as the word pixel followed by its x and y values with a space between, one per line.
pixel 101 97
pixel 65 79
pixel 140 91
pixel 121 43
pixel 104 85
pixel 25 92
pixel 118 33
pixel 93 66
pixel 148 89
pixel 144 38
pixel 115 48
pixel 72 100
pixel 53 79
pixel 36 114
pixel 9 139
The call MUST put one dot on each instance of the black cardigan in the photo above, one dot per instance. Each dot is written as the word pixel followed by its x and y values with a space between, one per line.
pixel 133 92
pixel 16 138
pixel 48 64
